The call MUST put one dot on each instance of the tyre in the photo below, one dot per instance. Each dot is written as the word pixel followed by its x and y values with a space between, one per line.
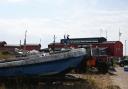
pixel 102 67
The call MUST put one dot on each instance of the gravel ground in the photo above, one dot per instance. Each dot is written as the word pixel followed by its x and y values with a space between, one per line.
pixel 102 81
pixel 120 78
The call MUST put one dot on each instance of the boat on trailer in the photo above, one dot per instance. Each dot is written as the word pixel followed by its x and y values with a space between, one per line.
pixel 38 65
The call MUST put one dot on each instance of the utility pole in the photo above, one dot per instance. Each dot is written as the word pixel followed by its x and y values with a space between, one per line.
pixel 40 41
pixel 20 44
pixel 106 34
pixel 101 30
pixel 119 34
pixel 125 47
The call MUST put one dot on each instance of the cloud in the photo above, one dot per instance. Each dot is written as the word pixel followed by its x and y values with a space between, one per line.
pixel 89 25
pixel 76 18
pixel 4 2
pixel 15 0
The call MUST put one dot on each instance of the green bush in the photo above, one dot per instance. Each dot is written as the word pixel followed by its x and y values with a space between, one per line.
pixel 5 53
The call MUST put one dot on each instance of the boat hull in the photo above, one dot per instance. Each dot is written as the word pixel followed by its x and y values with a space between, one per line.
pixel 42 69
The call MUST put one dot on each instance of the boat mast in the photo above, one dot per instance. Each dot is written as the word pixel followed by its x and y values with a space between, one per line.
pixel 54 39
pixel 20 45
pixel 25 40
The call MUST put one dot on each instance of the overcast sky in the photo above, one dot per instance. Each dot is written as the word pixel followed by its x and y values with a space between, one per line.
pixel 78 18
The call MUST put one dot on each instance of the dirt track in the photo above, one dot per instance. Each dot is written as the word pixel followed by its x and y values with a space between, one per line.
pixel 120 78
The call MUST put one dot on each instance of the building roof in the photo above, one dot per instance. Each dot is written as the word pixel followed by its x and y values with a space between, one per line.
pixel 23 45
pixel 84 40
pixel 32 45
pixel 55 44
pixel 111 42
pixel 89 38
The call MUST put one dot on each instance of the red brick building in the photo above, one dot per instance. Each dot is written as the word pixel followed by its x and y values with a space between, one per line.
pixel 5 47
pixel 113 48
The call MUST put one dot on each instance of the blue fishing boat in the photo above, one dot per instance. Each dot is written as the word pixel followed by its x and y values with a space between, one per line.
pixel 38 65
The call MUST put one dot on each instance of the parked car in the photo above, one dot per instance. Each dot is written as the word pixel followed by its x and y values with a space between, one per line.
pixel 125 63
pixel 125 67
